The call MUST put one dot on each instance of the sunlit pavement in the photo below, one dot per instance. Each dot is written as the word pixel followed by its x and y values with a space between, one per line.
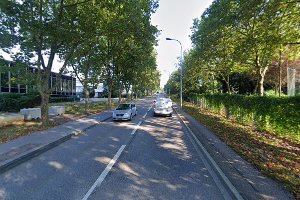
pixel 160 163
pixel 146 158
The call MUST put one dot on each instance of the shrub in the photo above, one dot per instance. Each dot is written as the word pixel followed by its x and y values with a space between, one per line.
pixel 63 99
pixel 13 102
pixel 279 115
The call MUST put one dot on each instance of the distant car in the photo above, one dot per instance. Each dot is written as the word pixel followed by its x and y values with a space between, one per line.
pixel 124 111
pixel 163 106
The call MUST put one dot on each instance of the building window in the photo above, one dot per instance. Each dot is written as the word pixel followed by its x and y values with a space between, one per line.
pixel 4 82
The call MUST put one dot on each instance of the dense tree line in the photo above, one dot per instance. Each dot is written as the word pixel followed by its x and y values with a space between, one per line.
pixel 237 44
pixel 99 41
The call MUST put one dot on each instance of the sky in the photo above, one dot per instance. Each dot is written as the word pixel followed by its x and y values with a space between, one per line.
pixel 174 19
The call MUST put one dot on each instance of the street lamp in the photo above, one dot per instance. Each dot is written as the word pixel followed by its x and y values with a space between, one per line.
pixel 180 69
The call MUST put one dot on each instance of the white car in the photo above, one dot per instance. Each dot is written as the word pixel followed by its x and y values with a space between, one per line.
pixel 124 111
pixel 163 106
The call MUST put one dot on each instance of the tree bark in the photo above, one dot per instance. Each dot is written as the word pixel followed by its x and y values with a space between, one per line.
pixel 44 107
pixel 109 92
pixel 120 94
pixel 262 79
pixel 87 99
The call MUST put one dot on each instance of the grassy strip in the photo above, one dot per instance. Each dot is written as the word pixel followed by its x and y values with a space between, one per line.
pixel 77 108
pixel 73 111
pixel 19 129
pixel 274 156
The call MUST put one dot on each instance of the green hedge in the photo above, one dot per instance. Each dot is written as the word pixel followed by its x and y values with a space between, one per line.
pixel 279 115
pixel 63 99
pixel 12 102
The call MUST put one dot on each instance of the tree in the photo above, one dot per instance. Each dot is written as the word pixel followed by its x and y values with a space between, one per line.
pixel 244 37
pixel 40 29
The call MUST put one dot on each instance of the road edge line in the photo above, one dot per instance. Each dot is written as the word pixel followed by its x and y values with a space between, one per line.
pixel 214 165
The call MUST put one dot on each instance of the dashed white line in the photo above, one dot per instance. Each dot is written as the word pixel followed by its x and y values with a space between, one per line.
pixel 145 115
pixel 102 176
pixel 136 127
pixel 147 112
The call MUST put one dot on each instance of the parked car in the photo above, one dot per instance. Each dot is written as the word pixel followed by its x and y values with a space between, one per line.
pixel 124 111
pixel 163 106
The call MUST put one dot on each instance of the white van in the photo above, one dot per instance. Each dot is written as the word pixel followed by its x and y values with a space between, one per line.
pixel 163 106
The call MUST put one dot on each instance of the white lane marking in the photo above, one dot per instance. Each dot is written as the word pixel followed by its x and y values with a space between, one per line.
pixel 145 115
pixel 136 127
pixel 224 177
pixel 147 112
pixel 102 176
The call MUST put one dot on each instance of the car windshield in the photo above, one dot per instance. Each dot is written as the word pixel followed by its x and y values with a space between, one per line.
pixel 123 107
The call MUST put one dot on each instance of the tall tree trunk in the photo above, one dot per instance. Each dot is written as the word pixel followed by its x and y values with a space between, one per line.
pixel 44 107
pixel 109 92
pixel 44 90
pixel 262 79
pixel 87 99
pixel 280 73
pixel 127 92
pixel 120 94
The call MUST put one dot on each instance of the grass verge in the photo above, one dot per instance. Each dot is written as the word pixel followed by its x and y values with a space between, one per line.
pixel 73 111
pixel 274 156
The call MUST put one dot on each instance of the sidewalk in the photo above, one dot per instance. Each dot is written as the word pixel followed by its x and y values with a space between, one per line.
pixel 24 148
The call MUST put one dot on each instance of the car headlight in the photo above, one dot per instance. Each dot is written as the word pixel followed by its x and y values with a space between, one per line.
pixel 126 114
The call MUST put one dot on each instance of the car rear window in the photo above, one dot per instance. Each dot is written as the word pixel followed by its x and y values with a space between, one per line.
pixel 123 107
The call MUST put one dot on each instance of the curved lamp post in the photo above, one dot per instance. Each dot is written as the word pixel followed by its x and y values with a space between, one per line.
pixel 180 69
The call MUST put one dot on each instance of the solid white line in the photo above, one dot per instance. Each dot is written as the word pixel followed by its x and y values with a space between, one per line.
pixel 136 127
pixel 102 176
pixel 224 177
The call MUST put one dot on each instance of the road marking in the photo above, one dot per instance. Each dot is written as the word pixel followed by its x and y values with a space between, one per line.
pixel 102 176
pixel 145 115
pixel 147 112
pixel 136 127
pixel 215 165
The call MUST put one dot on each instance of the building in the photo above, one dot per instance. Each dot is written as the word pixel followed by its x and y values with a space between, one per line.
pixel 60 85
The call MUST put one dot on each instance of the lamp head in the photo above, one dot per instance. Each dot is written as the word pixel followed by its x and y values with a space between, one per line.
pixel 169 39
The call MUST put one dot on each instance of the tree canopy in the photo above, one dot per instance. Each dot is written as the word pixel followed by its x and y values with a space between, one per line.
pixel 105 40
pixel 239 39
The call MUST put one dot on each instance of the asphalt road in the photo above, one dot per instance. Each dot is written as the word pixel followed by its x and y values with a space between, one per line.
pixel 146 158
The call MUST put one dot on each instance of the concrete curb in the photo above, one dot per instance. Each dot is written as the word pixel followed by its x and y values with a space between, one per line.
pixel 42 149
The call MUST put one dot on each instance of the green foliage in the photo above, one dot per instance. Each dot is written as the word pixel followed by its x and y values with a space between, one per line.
pixel 12 102
pixel 242 37
pixel 279 115
pixel 63 99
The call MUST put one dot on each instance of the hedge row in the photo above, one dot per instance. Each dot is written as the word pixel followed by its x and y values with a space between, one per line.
pixel 63 99
pixel 279 115
pixel 12 102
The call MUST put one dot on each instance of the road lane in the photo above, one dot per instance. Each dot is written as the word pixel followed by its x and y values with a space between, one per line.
pixel 69 170
pixel 160 163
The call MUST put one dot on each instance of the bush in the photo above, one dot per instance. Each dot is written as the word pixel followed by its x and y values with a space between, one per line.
pixel 279 115
pixel 13 102
pixel 63 99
